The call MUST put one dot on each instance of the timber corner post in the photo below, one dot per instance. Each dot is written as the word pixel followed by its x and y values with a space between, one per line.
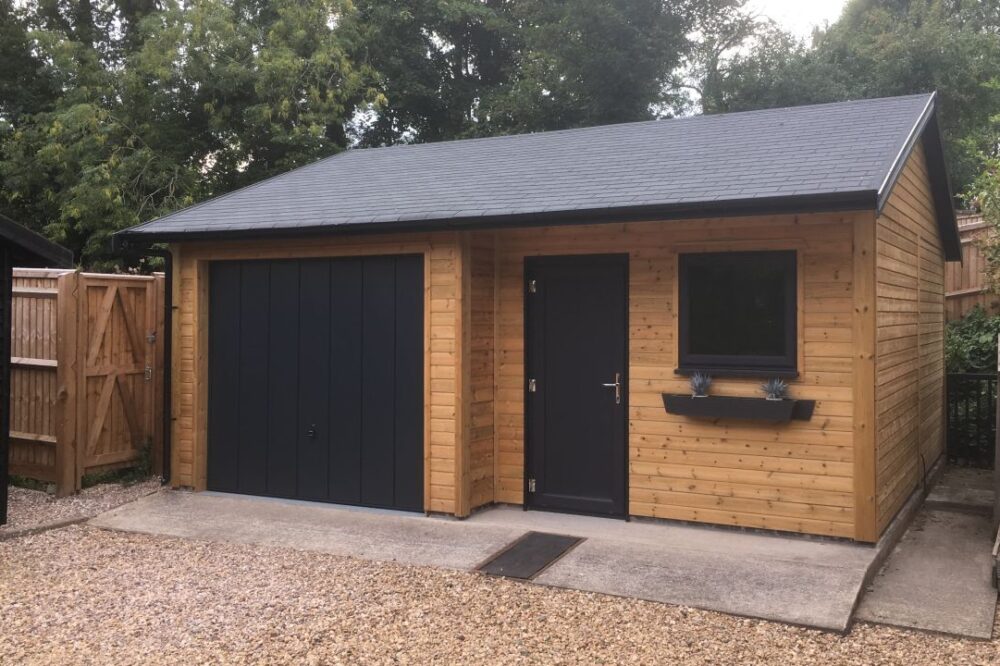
pixel 864 325
pixel 69 452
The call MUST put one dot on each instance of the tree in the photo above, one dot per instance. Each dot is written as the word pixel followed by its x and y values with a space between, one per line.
pixel 216 95
pixel 485 67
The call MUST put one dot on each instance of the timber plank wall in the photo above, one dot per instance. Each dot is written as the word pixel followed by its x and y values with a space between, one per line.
pixel 820 476
pixel 794 477
pixel 909 394
pixel 443 342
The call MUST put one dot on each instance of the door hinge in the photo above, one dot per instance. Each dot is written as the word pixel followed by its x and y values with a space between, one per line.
pixel 531 485
pixel 532 386
pixel 532 286
pixel 147 374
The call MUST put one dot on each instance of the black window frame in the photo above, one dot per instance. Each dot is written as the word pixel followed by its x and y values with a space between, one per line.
pixel 735 365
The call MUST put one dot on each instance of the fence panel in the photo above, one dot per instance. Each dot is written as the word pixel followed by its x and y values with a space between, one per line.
pixel 34 397
pixel 85 358
pixel 972 404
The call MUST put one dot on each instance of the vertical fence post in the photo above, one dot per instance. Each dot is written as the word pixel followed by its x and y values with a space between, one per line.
pixel 67 474
pixel 996 452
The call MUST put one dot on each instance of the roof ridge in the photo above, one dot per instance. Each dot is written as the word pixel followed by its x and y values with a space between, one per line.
pixel 701 117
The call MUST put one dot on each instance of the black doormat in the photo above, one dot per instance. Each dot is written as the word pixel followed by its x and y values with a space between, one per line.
pixel 529 555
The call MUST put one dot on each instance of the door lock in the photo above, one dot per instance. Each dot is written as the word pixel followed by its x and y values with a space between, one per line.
pixel 617 386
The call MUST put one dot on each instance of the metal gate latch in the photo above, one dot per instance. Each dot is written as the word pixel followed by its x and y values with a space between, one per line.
pixel 147 374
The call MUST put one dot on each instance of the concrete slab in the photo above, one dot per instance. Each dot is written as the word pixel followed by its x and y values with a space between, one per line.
pixel 791 579
pixel 963 489
pixel 938 577
pixel 364 533
pixel 803 581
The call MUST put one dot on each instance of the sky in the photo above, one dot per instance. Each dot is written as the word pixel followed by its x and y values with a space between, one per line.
pixel 799 16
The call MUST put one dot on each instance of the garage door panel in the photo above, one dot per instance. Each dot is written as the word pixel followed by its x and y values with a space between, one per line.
pixel 409 413
pixel 314 380
pixel 345 381
pixel 223 358
pixel 283 380
pixel 253 377
pixel 378 379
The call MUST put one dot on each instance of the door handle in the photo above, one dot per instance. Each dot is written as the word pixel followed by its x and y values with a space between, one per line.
pixel 617 386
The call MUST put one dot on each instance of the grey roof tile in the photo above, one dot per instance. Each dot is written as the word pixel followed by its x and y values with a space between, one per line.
pixel 846 147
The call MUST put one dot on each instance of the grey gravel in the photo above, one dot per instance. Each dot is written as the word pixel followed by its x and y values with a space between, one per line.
pixel 28 509
pixel 82 595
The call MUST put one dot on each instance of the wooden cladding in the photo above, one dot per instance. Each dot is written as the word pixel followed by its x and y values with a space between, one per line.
pixel 795 477
pixel 868 318
pixel 441 335
pixel 909 374
pixel 86 351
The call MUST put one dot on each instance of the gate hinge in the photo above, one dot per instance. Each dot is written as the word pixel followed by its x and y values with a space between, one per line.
pixel 532 386
pixel 531 485
pixel 532 286
pixel 147 374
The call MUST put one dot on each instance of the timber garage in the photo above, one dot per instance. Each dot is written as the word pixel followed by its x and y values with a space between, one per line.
pixel 443 327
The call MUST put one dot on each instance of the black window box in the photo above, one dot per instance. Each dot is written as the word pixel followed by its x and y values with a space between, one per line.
pixel 730 407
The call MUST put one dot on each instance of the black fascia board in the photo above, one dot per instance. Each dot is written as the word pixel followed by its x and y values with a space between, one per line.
pixel 808 203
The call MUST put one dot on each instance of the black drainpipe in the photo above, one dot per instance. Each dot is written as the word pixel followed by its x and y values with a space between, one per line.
pixel 168 328
pixel 168 331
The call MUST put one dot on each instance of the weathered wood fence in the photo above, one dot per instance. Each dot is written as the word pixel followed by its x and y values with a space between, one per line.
pixel 86 387
pixel 964 282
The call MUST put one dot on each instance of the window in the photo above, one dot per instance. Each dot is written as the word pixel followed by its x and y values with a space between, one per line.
pixel 738 312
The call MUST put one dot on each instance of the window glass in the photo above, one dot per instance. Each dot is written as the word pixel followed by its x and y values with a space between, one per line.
pixel 738 310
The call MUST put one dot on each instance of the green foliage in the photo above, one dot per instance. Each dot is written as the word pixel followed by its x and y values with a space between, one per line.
pixel 191 101
pixel 970 343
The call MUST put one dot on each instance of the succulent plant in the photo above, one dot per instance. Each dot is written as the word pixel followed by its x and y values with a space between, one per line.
pixel 700 382
pixel 775 388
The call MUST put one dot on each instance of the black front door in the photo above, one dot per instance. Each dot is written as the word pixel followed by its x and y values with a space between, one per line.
pixel 316 380
pixel 576 329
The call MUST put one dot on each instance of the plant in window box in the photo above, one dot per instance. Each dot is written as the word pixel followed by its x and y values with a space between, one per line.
pixel 775 389
pixel 700 383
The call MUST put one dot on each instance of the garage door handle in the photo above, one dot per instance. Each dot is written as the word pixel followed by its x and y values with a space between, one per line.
pixel 311 433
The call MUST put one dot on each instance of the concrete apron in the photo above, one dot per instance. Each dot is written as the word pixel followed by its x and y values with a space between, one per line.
pixel 802 581
pixel 938 576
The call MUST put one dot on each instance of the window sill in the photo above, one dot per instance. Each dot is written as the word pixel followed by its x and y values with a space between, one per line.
pixel 763 373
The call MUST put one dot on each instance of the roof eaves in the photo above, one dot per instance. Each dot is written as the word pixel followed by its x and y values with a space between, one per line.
pixel 790 204
pixel 52 254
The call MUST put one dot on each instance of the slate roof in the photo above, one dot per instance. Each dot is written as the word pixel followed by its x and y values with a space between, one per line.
pixel 830 156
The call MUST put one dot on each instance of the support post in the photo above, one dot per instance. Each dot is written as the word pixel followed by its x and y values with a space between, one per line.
pixel 67 379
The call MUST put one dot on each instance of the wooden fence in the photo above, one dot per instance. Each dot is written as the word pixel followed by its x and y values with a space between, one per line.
pixel 964 283
pixel 86 387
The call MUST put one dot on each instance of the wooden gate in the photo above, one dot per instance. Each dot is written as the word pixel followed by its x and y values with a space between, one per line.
pixel 117 343
pixel 86 392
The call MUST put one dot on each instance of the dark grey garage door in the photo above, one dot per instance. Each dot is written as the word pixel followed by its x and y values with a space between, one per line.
pixel 316 380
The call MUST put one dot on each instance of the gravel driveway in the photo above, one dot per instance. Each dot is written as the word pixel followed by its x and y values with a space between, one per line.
pixel 30 509
pixel 83 595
